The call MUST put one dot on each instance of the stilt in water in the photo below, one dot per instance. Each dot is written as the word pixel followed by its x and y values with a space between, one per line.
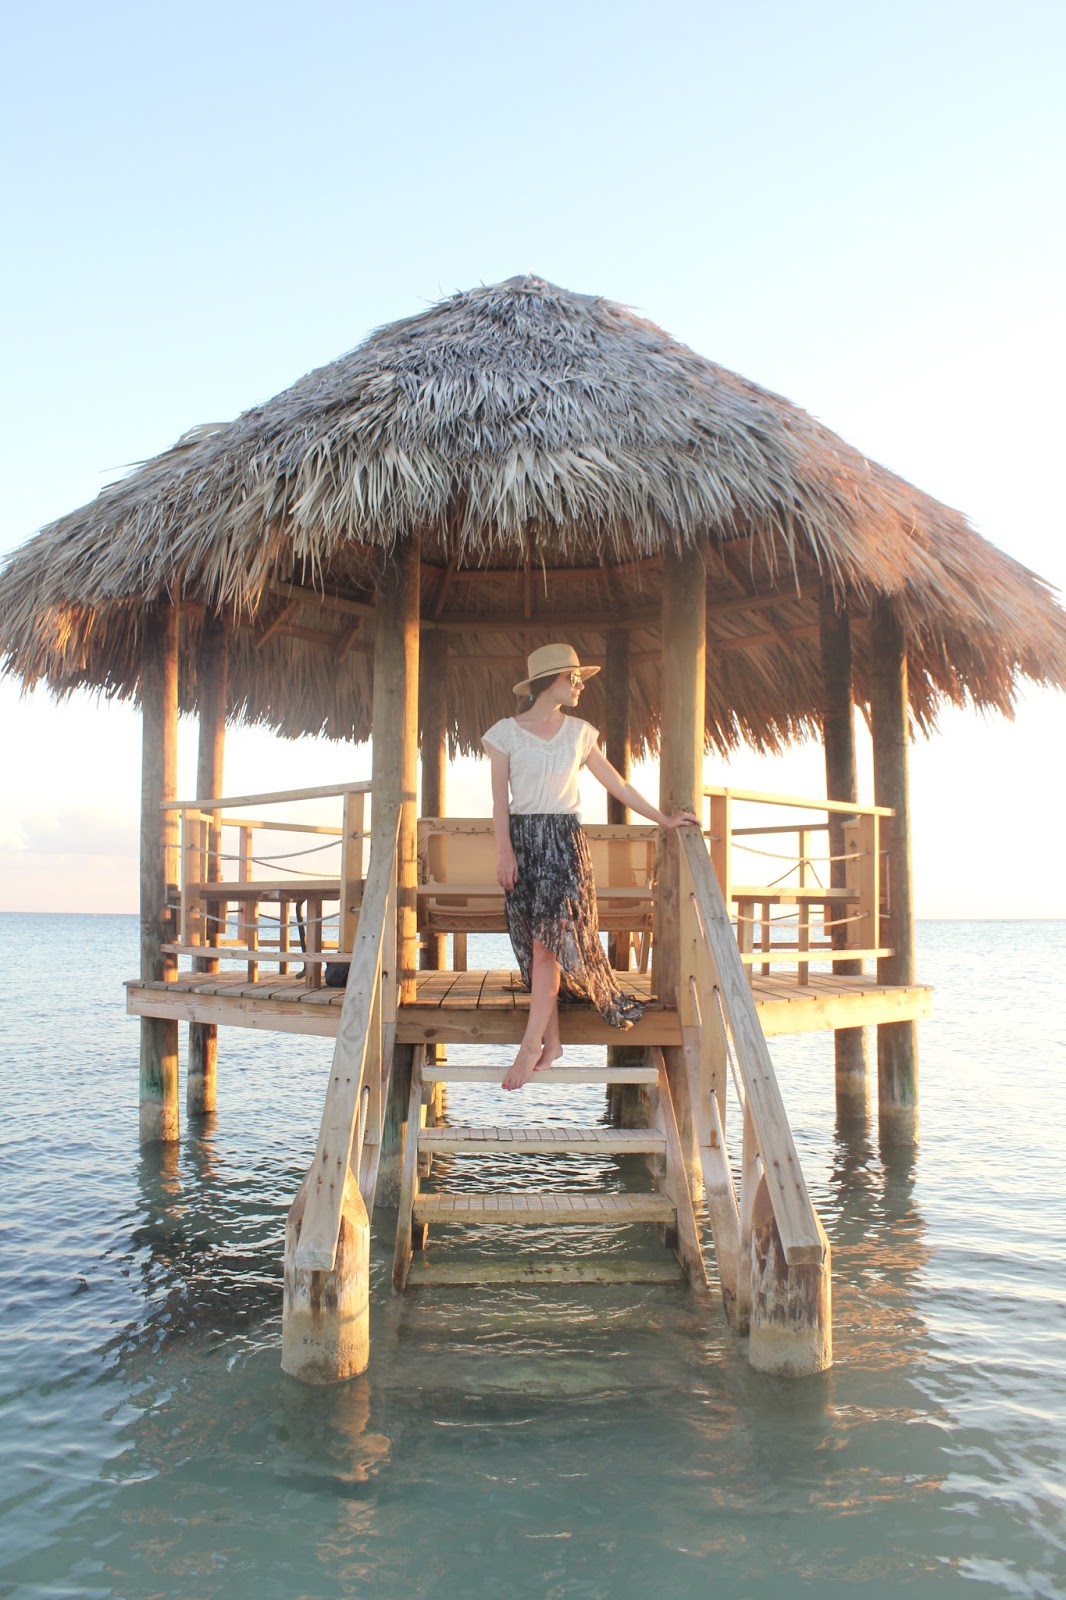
pixel 841 783
pixel 897 1042
pixel 201 1080
pixel 159 761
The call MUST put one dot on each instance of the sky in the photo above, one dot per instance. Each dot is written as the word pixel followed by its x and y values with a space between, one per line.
pixel 858 205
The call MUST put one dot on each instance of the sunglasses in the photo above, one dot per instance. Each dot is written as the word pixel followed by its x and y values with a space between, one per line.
pixel 576 680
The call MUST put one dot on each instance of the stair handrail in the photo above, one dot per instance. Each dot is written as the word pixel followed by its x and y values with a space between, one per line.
pixel 358 1055
pixel 712 961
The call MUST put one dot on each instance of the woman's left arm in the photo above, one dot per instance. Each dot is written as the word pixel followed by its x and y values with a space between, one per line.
pixel 615 784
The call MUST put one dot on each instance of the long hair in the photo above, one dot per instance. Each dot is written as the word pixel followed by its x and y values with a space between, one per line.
pixel 538 686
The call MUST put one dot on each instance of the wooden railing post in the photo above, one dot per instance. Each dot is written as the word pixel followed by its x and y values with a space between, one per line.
pixel 159 839
pixel 720 843
pixel 351 869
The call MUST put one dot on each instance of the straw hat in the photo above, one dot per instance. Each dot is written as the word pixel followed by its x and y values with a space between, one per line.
pixel 553 658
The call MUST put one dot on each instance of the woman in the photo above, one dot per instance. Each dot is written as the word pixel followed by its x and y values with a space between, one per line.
pixel 543 861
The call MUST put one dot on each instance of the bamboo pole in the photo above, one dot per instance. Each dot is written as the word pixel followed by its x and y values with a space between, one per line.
pixel 684 688
pixel 159 834
pixel 394 781
pixel 841 783
pixel 897 1042
pixel 201 1083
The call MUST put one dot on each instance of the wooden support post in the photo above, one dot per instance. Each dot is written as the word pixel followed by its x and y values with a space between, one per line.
pixel 790 1319
pixel 622 1104
pixel 395 736
pixel 325 1327
pixel 433 721
pixel 390 1169
pixel 897 1042
pixel 841 783
pixel 159 839
pixel 201 1087
pixel 394 780
pixel 683 695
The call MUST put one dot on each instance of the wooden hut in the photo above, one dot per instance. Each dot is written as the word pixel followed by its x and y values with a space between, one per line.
pixel 516 465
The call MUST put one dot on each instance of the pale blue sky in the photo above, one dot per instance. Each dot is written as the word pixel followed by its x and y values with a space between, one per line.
pixel 857 205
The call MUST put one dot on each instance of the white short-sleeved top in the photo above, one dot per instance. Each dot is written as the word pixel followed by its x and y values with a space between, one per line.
pixel 543 773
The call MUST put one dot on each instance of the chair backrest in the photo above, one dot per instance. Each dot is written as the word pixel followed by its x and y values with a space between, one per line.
pixel 457 874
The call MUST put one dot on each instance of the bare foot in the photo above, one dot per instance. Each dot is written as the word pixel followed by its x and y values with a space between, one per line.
pixel 522 1068
pixel 548 1056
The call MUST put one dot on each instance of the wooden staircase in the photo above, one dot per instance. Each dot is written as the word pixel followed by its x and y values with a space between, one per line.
pixel 666 1203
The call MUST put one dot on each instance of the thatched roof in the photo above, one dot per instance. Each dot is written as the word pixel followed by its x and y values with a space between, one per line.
pixel 546 447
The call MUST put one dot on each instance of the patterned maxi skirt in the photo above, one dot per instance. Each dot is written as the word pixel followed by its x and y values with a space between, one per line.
pixel 554 901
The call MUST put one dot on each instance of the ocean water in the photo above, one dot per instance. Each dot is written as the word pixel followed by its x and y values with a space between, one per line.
pixel 542 1442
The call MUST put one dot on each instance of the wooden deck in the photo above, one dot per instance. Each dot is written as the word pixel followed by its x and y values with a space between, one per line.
pixel 489 1007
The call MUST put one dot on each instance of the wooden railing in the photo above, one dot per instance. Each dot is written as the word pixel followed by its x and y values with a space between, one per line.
pixel 800 879
pixel 768 1233
pixel 362 1061
pixel 221 887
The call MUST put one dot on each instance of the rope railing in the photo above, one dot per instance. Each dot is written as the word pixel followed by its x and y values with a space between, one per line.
pixel 262 916
pixel 284 855
pixel 799 861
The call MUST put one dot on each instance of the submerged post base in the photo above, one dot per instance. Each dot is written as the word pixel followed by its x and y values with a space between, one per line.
pixel 897 1084
pixel 325 1323
pixel 852 1081
pixel 158 1114
pixel 791 1319
pixel 201 1078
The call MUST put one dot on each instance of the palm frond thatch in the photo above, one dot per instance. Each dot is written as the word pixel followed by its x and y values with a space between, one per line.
pixel 546 447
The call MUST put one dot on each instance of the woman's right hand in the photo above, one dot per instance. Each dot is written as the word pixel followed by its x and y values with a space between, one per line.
pixel 506 869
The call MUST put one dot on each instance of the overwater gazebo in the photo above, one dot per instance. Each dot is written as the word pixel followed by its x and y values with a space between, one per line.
pixel 516 465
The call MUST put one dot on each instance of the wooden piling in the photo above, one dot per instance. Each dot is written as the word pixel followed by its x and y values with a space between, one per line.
pixel 791 1315
pixel 841 783
pixel 159 839
pixel 683 698
pixel 201 1082
pixel 325 1327
pixel 897 1042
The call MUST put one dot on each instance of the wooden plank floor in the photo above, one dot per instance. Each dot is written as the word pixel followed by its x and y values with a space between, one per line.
pixel 489 1007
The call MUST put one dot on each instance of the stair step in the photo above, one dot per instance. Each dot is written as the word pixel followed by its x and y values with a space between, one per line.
pixel 564 1209
pixel 443 1072
pixel 551 1137
pixel 531 1270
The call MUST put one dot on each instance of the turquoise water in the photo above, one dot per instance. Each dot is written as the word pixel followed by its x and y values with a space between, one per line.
pixel 547 1442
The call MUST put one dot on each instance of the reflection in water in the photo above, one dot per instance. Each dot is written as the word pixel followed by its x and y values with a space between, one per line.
pixel 537 1441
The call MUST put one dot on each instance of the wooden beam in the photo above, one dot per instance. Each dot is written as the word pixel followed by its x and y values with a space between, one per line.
pixel 159 762
pixel 324 599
